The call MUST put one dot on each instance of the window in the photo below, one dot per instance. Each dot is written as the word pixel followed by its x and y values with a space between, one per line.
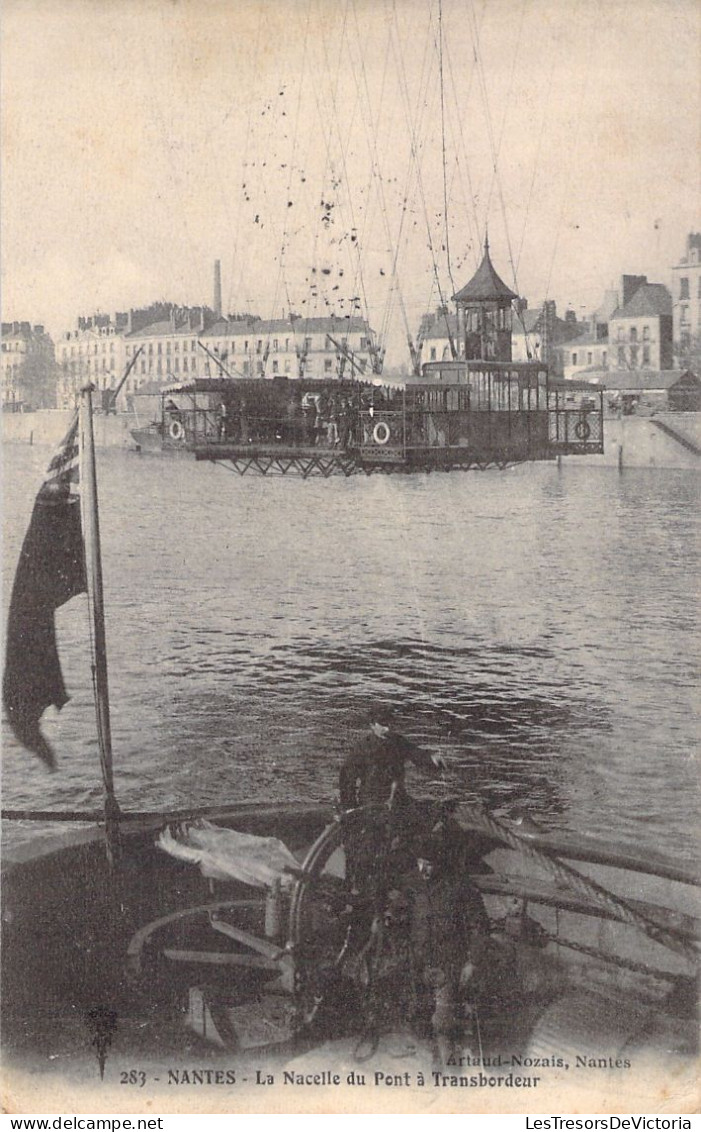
pixel 275 366
pixel 634 334
pixel 185 364
pixel 287 365
pixel 646 355
pixel 621 355
pixel 684 314
pixel 160 347
pixel 233 346
pixel 167 347
pixel 684 288
pixel 433 353
pixel 646 334
pixel 574 358
pixel 275 345
pixel 245 346
pixel 259 346
pixel 176 347
pixel 328 363
pixel 307 343
pixel 589 357
pixel 603 357
pixel 634 356
pixel 287 343
pixel 620 334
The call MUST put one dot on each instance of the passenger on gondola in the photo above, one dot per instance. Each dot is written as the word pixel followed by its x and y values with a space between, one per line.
pixel 332 422
pixel 223 421
pixel 244 434
pixel 322 403
pixel 308 420
pixel 344 424
pixel 293 423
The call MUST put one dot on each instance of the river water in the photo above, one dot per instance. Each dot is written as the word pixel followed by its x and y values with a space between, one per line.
pixel 538 627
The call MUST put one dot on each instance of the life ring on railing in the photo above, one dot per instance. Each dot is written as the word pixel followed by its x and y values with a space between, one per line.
pixel 381 432
pixel 176 430
pixel 582 430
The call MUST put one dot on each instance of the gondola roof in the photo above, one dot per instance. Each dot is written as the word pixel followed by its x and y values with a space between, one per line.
pixel 485 284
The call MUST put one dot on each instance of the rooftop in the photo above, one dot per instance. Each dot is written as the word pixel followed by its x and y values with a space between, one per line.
pixel 652 299
pixel 485 284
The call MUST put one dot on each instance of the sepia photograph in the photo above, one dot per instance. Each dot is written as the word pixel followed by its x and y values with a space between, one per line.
pixel 351 423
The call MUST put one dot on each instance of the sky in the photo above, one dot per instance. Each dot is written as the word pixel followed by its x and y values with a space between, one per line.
pixel 342 156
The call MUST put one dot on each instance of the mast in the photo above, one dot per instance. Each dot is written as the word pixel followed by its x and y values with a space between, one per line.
pixel 93 572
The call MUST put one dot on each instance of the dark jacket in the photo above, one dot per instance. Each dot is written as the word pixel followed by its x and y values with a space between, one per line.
pixel 375 766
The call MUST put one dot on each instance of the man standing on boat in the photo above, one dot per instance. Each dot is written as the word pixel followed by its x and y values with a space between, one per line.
pixel 407 864
pixel 375 770
pixel 381 819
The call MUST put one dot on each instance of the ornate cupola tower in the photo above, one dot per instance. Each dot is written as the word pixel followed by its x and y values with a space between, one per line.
pixel 484 314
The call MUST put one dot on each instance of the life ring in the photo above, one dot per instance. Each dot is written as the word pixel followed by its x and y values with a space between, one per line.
pixel 582 430
pixel 176 430
pixel 381 432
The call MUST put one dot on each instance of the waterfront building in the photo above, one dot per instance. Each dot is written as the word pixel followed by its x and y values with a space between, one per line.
pixel 102 346
pixel 166 349
pixel 238 347
pixel 27 368
pixel 587 354
pixel 640 330
pixel 539 334
pixel 686 298
pixel 93 352
pixel 436 333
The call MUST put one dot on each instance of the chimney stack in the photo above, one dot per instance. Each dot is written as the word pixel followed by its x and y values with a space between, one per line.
pixel 217 288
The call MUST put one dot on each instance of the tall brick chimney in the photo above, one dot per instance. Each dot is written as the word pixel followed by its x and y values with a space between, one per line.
pixel 217 288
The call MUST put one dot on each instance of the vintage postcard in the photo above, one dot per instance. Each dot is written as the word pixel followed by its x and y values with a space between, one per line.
pixel 351 390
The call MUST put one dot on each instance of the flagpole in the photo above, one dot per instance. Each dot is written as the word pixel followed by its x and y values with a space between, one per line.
pixel 93 572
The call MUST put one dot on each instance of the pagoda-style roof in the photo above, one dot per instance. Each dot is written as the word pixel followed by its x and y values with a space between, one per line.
pixel 485 285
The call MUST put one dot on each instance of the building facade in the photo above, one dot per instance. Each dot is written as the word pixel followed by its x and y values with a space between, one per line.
pixel 94 354
pixel 585 355
pixel 252 347
pixel 27 368
pixel 102 347
pixel 640 331
pixel 686 296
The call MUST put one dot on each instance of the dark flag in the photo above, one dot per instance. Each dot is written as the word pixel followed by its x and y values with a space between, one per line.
pixel 50 571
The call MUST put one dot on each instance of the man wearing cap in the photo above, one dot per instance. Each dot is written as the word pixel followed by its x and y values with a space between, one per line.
pixel 407 862
pixel 374 772
pixel 381 820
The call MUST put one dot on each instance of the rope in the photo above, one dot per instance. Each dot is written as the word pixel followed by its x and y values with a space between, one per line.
pixel 617 960
pixel 566 874
pixel 445 175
